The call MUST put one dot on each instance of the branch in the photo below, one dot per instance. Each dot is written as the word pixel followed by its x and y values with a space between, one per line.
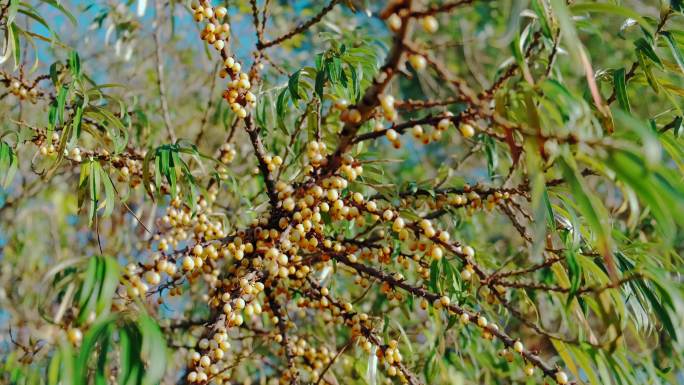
pixel 632 71
pixel 440 8
pixel 282 327
pixel 548 370
pixel 260 153
pixel 300 28
pixel 370 99
pixel 160 70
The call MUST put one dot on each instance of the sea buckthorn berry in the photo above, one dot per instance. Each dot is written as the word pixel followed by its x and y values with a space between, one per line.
pixel 188 263
pixel 221 12
pixel 518 346
pixel 398 224
pixel 75 336
pixel 436 252
pixel 391 135
pixel 418 62
pixel 417 131
pixel 444 124
pixel 467 130
pixel 394 22
pixel 429 24
pixel 561 377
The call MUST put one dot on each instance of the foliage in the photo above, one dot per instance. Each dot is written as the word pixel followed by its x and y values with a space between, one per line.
pixel 357 192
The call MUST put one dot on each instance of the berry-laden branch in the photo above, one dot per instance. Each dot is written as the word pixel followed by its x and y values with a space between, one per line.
pixel 286 281
pixel 260 153
pixel 363 110
pixel 285 340
pixel 466 316
pixel 361 325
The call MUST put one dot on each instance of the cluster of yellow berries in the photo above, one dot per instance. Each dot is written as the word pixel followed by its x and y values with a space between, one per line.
pixel 130 170
pixel 227 153
pixel 316 152
pixel 179 224
pixel 49 149
pixel 315 359
pixel 209 365
pixel 22 91
pixel 351 115
pixel 139 279
pixel 391 357
pixel 387 104
pixel 217 33
pixel 417 131
pixel 73 154
pixel 361 327
pixel 273 162
pixel 426 136
pixel 429 23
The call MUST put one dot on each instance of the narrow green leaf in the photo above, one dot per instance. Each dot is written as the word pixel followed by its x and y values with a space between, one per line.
pixel 320 82
pixel 153 350
pixel 12 11
pixel 293 86
pixel 646 68
pixel 646 48
pixel 593 211
pixel 74 63
pixel 676 53
pixel 16 47
pixel 110 193
pixel 110 281
pixel 54 368
pixel 619 83
pixel 538 8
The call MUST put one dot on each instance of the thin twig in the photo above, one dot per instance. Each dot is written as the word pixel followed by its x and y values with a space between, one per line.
pixel 160 70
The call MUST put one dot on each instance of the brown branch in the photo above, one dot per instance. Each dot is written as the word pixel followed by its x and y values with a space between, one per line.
pixel 300 28
pixel 370 99
pixel 446 7
pixel 260 153
pixel 366 331
pixel 547 369
pixel 536 328
pixel 559 289
pixel 420 104
pixel 329 365
pixel 282 327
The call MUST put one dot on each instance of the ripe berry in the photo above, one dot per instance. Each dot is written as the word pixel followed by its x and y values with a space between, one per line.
pixel 430 24
pixel 518 346
pixel 418 62
pixel 467 130
pixel 75 336
pixel 188 263
pixel 394 22
pixel 561 377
